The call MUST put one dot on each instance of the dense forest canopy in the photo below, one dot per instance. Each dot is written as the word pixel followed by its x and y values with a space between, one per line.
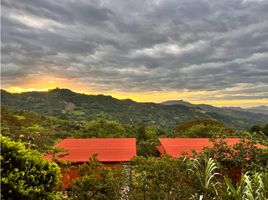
pixel 68 105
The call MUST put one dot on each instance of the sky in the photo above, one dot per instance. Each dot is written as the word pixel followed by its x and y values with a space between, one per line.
pixel 202 51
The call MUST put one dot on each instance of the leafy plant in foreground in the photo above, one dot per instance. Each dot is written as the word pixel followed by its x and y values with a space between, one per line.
pixel 251 187
pixel 25 174
pixel 205 172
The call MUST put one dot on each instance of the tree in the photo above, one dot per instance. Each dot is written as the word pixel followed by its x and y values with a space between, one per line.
pixel 238 158
pixel 147 139
pixel 265 129
pixel 98 182
pixel 35 131
pixel 255 128
pixel 160 178
pixel 103 129
pixel 259 129
pixel 202 128
pixel 25 174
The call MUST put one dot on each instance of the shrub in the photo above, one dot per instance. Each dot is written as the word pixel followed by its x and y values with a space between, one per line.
pixel 98 181
pixel 25 174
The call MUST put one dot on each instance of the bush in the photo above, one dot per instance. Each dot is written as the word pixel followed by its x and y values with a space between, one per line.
pixel 25 174
pixel 161 178
pixel 98 181
pixel 244 154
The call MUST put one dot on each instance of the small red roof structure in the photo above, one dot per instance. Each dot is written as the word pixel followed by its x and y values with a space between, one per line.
pixel 176 147
pixel 107 149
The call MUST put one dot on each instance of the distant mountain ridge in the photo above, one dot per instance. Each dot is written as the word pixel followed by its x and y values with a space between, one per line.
pixel 177 102
pixel 66 104
pixel 259 109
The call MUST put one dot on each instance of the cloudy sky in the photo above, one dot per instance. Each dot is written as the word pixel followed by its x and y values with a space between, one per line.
pixel 203 51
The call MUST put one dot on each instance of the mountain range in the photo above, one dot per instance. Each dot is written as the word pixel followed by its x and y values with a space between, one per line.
pixel 258 109
pixel 66 104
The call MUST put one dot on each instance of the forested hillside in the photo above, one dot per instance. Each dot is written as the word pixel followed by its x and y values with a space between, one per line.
pixel 65 104
pixel 37 131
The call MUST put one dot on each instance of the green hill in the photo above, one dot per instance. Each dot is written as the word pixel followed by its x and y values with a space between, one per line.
pixel 66 104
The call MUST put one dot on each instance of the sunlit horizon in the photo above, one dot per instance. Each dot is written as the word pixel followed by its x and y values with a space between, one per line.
pixel 154 96
pixel 203 52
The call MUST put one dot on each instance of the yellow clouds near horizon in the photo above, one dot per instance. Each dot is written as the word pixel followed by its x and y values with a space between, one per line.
pixel 44 83
pixel 194 97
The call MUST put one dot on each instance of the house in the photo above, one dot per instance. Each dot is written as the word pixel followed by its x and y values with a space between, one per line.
pixel 176 147
pixel 109 151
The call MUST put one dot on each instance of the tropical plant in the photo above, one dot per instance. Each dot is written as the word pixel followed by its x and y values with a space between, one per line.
pixel 252 186
pixel 206 173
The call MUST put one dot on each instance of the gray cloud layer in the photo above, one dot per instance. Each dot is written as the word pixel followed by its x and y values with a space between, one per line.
pixel 147 45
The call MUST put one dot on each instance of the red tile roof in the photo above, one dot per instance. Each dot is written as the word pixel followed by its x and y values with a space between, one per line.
pixel 175 147
pixel 108 149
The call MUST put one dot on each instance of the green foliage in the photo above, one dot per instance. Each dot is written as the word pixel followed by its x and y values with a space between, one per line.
pixel 251 187
pixel 255 128
pixel 188 124
pixel 147 139
pixel 103 129
pixel 205 173
pixel 244 155
pixel 265 129
pixel 151 177
pixel 25 174
pixel 168 178
pixel 160 178
pixel 68 105
pixel 259 129
pixel 98 182
pixel 35 131
pixel 147 148
pixel 58 152
pixel 202 128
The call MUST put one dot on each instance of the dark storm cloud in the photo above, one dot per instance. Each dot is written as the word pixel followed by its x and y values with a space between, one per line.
pixel 148 45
